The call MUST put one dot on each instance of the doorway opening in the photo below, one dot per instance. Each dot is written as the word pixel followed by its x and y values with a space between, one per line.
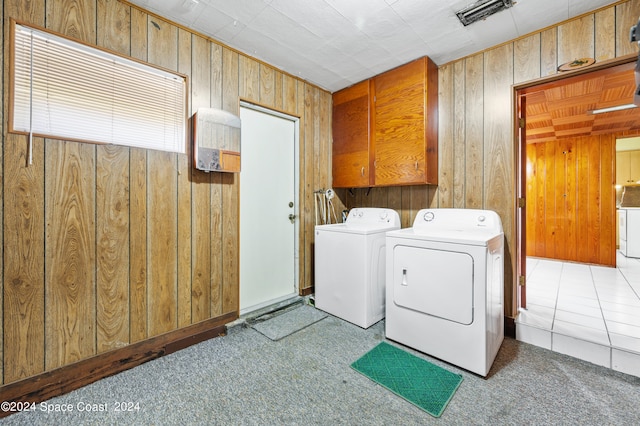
pixel 572 300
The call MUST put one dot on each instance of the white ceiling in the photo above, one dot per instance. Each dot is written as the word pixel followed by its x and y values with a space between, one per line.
pixel 335 43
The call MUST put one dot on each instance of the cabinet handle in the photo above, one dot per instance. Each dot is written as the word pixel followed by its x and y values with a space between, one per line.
pixel 362 171
pixel 416 164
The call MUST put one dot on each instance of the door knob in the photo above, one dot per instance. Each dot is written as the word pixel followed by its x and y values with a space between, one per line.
pixel 292 218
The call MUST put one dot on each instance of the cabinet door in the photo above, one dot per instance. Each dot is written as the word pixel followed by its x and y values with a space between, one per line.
pixel 351 137
pixel 622 167
pixel 634 166
pixel 405 124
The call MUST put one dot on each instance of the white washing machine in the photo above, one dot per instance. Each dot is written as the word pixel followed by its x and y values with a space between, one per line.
pixel 445 286
pixel 350 265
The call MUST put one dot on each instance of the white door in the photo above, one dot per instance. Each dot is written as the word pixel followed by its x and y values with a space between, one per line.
pixel 268 197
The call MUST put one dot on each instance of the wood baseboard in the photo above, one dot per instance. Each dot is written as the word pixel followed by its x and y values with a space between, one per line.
pixel 510 327
pixel 70 377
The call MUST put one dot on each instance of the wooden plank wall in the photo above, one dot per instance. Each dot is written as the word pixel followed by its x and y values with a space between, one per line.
pixel 476 141
pixel 105 246
pixel 571 199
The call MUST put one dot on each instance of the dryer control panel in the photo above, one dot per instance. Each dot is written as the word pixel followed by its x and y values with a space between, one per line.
pixel 458 219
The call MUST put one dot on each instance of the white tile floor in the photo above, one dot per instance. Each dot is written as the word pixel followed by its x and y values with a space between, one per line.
pixel 585 311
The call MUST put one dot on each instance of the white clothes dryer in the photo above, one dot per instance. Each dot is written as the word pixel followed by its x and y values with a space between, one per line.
pixel 445 286
pixel 350 261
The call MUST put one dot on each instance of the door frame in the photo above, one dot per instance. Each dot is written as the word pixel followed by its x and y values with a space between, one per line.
pixel 296 194
pixel 520 168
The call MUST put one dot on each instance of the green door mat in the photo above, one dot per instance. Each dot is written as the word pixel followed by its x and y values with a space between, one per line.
pixel 418 381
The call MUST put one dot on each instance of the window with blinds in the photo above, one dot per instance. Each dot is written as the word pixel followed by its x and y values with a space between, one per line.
pixel 67 90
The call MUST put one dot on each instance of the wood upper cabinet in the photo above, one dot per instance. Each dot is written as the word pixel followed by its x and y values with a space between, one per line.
pixel 627 167
pixel 351 136
pixel 405 125
pixel 385 129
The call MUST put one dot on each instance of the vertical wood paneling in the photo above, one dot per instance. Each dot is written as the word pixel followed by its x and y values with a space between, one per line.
pixel 605 30
pixel 290 95
pixel 575 39
pixel 162 202
pixel 445 136
pixel 309 179
pixel 138 206
pixel 70 211
pixel 249 83
pixel 549 52
pixel 474 123
pixel 230 194
pixel 73 18
pixel 70 295
pixel 267 86
pixel 626 17
pixel 499 145
pixel 112 224
pixel 201 190
pixel 459 131
pixel 114 26
pixel 23 347
pixel 217 94
pixel 570 213
pixel 526 58
pixel 185 231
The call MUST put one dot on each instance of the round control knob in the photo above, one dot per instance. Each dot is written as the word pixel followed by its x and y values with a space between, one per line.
pixel 384 215
pixel 428 216
pixel 481 219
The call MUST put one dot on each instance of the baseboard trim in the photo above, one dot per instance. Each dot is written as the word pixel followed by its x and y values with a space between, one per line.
pixel 510 327
pixel 62 380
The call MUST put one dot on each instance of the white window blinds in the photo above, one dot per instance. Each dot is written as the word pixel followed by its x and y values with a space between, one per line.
pixel 67 90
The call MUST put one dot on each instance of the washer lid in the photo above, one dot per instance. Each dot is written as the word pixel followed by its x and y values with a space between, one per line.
pixel 362 229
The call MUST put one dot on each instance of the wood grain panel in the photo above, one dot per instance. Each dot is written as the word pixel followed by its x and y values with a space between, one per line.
pixel 549 52
pixel 575 39
pixel 70 286
pixel 526 58
pixel 445 136
pixel 201 191
pixel 474 157
pixel 290 95
pixel 230 238
pixel 230 85
pixel 217 267
pixel 605 31
pixel 249 83
pixel 626 17
pixel 112 237
pixel 23 191
pixel 570 185
pixel 113 26
pixel 73 18
pixel 216 75
pixel 185 232
pixel 22 351
pixel 162 202
pixel 230 190
pixel 267 95
pixel 138 206
pixel 309 185
pixel 459 131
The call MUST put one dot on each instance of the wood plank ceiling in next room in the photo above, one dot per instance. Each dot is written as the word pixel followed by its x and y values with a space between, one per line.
pixel 561 108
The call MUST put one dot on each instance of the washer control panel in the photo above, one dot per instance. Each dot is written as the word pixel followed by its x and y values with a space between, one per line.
pixel 373 215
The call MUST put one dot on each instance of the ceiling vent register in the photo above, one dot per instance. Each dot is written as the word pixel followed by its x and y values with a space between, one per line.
pixel 481 10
